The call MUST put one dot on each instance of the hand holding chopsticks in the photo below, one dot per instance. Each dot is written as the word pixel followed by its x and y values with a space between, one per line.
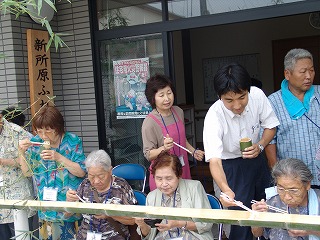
pixel 238 203
pixel 45 144
pixel 272 207
pixel 71 194
pixel 180 146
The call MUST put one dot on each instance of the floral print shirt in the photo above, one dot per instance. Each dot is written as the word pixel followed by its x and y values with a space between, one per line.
pixel 13 184
pixel 119 193
pixel 52 174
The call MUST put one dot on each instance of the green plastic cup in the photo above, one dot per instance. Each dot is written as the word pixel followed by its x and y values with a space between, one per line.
pixel 244 143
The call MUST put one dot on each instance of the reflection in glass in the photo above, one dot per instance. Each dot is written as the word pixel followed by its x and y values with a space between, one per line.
pixel 112 14
pixel 195 8
pixel 115 13
pixel 124 141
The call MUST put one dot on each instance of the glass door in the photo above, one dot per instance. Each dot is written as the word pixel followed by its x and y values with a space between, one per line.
pixel 123 134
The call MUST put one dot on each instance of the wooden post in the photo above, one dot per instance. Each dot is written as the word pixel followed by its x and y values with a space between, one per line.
pixel 39 64
pixel 41 93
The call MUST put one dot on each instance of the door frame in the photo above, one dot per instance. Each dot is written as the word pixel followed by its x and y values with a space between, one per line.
pixel 280 49
pixel 165 27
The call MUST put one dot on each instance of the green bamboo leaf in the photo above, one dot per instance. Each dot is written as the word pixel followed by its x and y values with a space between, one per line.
pixel 63 34
pixel 64 44
pixel 39 6
pixel 48 27
pixel 56 43
pixel 50 3
pixel 18 7
pixel 49 43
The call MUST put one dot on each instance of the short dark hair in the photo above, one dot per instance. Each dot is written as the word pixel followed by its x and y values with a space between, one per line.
pixel 14 115
pixel 231 78
pixel 49 116
pixel 166 159
pixel 154 84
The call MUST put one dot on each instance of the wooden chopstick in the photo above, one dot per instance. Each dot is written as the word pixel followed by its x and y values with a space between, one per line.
pixel 279 210
pixel 81 199
pixel 38 143
pixel 181 146
pixel 237 203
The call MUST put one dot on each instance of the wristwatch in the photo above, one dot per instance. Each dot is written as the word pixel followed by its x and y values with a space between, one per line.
pixel 261 148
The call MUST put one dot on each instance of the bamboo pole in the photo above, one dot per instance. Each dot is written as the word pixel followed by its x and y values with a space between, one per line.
pixel 21 225
pixel 234 217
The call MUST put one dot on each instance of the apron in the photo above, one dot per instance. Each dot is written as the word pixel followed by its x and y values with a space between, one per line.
pixel 172 131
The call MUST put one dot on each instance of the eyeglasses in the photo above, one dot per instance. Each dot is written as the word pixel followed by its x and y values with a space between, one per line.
pixel 296 192
pixel 41 132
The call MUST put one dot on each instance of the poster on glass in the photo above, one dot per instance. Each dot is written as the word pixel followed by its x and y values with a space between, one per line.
pixel 130 77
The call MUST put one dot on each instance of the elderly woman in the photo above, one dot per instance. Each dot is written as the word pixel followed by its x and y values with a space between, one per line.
pixel 292 178
pixel 56 168
pixel 173 191
pixel 102 187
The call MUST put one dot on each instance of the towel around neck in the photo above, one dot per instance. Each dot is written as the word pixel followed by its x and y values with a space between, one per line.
pixel 295 107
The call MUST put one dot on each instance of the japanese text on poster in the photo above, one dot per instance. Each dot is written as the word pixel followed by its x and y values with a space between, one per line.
pixel 130 77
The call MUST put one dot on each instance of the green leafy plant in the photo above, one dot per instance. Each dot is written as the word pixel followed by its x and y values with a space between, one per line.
pixel 19 7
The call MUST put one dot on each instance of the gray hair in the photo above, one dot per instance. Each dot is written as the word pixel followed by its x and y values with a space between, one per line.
pixel 98 158
pixel 293 56
pixel 294 168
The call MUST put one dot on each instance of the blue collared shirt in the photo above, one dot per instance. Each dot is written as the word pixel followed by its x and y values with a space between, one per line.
pixel 299 138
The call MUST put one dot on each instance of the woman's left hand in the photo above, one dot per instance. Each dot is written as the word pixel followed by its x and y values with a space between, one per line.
pixel 50 155
pixel 198 154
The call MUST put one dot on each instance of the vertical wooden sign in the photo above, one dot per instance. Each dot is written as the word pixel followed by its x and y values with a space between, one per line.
pixel 40 75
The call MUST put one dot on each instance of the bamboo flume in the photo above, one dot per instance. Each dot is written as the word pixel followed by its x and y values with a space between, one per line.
pixel 235 217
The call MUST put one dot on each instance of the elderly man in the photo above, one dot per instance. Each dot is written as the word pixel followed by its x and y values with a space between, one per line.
pixel 297 105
